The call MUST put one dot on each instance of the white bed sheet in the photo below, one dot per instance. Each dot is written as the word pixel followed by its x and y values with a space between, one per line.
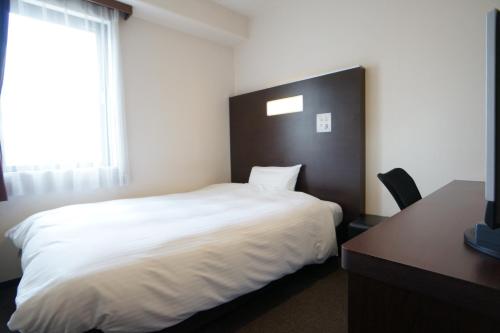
pixel 337 212
pixel 140 265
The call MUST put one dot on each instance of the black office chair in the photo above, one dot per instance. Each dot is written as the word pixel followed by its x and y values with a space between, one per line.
pixel 401 186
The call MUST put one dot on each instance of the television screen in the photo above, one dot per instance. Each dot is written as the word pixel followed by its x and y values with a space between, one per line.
pixel 492 216
pixel 485 237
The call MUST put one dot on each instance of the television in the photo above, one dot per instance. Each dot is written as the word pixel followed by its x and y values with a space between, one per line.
pixel 485 237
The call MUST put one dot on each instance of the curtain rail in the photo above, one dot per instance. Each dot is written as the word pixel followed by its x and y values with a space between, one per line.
pixel 123 8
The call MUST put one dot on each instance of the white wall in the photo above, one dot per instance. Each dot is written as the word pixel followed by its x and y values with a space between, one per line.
pixel 424 78
pixel 177 90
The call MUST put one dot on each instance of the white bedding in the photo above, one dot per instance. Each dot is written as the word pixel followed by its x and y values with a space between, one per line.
pixel 144 264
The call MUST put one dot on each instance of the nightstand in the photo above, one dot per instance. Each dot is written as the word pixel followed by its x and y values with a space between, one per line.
pixel 363 223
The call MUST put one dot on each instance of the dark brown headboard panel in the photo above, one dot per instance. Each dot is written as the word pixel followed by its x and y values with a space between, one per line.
pixel 333 163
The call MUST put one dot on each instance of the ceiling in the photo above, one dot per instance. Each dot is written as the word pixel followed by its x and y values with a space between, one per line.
pixel 249 8
pixel 201 18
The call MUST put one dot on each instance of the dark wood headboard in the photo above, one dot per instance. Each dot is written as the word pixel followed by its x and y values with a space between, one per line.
pixel 333 164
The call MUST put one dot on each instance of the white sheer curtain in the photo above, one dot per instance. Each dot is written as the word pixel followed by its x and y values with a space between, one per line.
pixel 61 117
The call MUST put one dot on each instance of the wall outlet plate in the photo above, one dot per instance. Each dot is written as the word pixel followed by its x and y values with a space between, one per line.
pixel 323 122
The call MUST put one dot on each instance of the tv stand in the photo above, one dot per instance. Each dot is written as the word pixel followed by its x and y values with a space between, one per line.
pixel 483 239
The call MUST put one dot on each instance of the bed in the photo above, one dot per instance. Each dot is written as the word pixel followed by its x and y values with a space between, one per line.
pixel 142 265
pixel 170 256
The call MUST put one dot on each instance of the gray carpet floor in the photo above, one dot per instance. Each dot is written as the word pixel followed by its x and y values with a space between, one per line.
pixel 320 307
pixel 312 300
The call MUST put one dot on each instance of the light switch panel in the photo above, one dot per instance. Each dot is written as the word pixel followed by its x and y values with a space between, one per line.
pixel 323 122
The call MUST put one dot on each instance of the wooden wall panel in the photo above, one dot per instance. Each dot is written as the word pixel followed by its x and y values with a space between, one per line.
pixel 333 163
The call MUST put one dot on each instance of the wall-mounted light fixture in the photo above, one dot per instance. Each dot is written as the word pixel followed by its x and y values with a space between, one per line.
pixel 285 105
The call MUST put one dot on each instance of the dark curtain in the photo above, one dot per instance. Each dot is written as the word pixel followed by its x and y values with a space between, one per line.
pixel 4 24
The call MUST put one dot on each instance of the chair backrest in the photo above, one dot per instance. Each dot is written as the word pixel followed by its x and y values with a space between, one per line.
pixel 401 186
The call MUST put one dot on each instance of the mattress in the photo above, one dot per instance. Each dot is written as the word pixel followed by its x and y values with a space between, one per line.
pixel 140 265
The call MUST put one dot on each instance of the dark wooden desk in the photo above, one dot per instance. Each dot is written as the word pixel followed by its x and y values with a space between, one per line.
pixel 413 273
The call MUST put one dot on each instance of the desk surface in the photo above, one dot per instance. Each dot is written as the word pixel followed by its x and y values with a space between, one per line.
pixel 422 248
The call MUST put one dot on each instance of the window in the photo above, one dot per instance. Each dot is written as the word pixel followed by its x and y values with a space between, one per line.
pixel 61 119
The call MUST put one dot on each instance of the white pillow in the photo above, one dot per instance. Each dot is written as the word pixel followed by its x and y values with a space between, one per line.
pixel 275 178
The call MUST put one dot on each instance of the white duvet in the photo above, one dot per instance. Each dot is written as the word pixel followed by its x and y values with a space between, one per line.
pixel 141 265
